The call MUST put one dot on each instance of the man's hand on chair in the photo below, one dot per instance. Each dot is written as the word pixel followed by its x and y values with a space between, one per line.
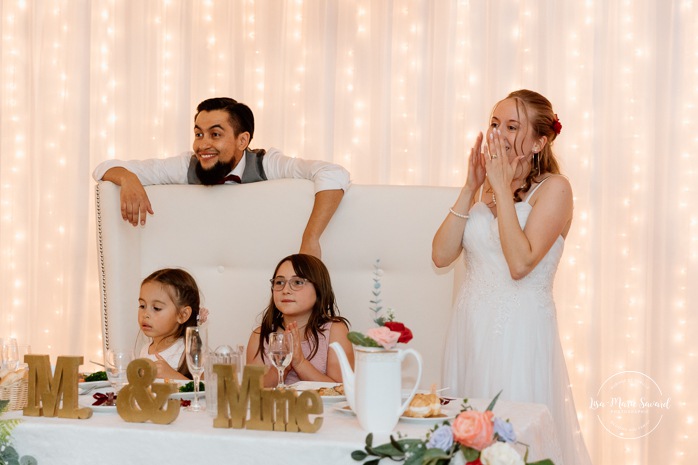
pixel 134 200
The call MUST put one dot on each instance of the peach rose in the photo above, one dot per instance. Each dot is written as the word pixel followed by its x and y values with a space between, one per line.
pixel 384 336
pixel 474 429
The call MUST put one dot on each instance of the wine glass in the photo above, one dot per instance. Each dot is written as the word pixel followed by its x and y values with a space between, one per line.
pixel 115 364
pixel 195 350
pixel 280 351
pixel 10 354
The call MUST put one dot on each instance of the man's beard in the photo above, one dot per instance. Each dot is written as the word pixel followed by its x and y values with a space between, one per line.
pixel 215 174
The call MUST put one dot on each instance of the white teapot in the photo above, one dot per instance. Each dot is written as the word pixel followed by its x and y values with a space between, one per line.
pixel 374 392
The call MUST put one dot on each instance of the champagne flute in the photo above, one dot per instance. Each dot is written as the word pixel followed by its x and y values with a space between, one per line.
pixel 280 351
pixel 115 364
pixel 195 350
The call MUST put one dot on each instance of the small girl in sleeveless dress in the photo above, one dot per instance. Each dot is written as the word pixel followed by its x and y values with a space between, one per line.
pixel 302 303
pixel 168 303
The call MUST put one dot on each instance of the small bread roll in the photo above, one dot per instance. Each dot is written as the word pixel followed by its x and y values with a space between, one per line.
pixel 12 377
pixel 337 390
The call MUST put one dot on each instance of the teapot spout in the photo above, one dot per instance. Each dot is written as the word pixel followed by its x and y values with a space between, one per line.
pixel 347 373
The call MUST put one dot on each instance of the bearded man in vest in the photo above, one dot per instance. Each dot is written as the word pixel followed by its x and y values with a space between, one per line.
pixel 223 129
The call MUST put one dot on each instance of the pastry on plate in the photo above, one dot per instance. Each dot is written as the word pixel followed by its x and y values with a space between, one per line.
pixel 337 390
pixel 424 405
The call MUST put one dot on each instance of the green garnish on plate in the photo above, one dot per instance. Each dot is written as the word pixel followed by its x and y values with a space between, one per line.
pixel 189 387
pixel 96 376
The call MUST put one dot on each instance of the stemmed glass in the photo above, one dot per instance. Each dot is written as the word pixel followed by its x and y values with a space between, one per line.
pixel 195 350
pixel 280 351
pixel 10 354
pixel 115 364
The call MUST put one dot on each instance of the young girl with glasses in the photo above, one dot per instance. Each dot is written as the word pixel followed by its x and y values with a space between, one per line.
pixel 302 303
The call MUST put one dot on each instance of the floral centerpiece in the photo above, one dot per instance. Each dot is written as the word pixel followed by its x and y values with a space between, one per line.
pixel 389 332
pixel 474 438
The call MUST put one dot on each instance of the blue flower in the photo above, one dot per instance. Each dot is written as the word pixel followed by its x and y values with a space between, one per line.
pixel 504 430
pixel 441 438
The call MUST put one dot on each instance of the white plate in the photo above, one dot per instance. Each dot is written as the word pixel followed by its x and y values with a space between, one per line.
pixel 184 395
pixel 178 382
pixel 446 414
pixel 308 385
pixel 103 408
pixel 87 401
pixel 314 386
pixel 91 385
pixel 343 407
pixel 188 395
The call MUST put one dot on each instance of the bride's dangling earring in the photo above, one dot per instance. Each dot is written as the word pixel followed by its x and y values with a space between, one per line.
pixel 536 162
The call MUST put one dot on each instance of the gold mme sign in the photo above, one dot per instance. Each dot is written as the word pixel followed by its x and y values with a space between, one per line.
pixel 56 395
pixel 269 409
pixel 142 400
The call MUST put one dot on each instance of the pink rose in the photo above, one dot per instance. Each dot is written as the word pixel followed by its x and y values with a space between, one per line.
pixel 384 336
pixel 474 429
pixel 203 315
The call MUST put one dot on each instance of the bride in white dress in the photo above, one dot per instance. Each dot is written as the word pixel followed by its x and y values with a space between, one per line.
pixel 511 219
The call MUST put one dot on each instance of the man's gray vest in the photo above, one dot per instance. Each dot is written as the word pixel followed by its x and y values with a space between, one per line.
pixel 254 171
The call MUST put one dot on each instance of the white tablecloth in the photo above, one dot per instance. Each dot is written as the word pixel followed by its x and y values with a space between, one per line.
pixel 106 439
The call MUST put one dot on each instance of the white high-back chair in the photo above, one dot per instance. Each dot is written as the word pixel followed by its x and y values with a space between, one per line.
pixel 230 238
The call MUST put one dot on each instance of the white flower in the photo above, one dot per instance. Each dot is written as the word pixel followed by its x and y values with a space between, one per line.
pixel 500 453
pixel 458 458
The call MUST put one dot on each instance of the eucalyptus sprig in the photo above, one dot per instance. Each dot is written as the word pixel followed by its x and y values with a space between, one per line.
pixel 376 300
pixel 398 450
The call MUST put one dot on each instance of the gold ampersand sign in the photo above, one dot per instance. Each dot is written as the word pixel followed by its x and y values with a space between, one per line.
pixel 142 400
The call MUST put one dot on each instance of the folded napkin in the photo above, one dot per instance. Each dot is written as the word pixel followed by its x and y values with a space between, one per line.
pixel 106 400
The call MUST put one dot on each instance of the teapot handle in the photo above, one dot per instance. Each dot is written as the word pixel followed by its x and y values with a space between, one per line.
pixel 416 355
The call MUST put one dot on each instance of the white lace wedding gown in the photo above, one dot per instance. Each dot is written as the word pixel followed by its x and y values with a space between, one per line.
pixel 503 333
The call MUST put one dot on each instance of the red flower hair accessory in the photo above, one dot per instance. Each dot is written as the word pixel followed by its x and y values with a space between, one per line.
pixel 557 125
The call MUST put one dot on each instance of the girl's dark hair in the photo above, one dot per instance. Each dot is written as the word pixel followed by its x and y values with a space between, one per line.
pixel 183 290
pixel 539 113
pixel 324 310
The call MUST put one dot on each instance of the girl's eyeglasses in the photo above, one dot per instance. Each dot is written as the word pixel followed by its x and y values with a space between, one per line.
pixel 296 284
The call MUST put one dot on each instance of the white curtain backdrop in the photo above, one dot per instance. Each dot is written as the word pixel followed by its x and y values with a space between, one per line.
pixel 395 91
